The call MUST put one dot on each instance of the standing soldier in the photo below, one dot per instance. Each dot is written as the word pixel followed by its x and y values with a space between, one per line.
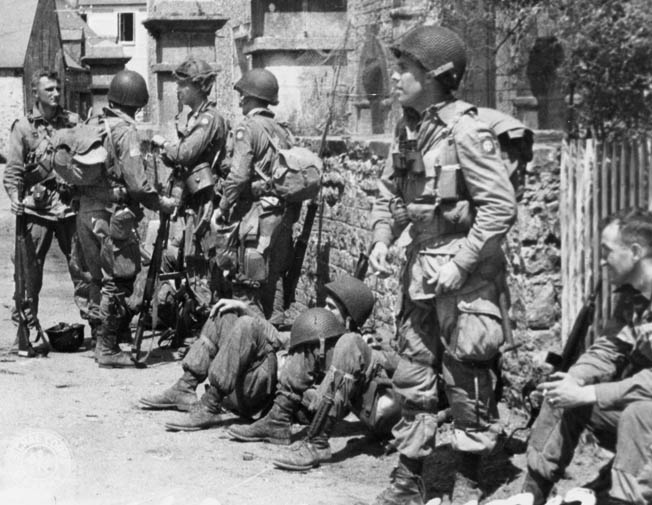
pixel 197 155
pixel 266 220
pixel 109 213
pixel 448 182
pixel 47 200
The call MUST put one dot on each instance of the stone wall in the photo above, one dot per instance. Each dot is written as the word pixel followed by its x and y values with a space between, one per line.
pixel 11 106
pixel 533 249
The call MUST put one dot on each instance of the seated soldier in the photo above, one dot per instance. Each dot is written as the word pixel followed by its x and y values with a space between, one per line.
pixel 348 373
pixel 609 389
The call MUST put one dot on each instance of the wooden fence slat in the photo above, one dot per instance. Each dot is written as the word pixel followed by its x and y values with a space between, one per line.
pixel 604 207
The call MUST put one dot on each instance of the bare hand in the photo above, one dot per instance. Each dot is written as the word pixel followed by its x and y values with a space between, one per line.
pixel 228 305
pixel 167 205
pixel 158 140
pixel 449 277
pixel 378 260
pixel 564 391
pixel 17 208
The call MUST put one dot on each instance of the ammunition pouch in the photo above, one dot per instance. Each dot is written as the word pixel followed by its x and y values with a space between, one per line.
pixel 379 407
pixel 200 177
pixel 37 173
pixel 122 223
pixel 252 262
pixel 408 158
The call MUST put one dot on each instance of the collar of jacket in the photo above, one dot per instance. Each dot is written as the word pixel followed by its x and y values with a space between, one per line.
pixel 448 111
pixel 37 115
pixel 110 112
pixel 260 111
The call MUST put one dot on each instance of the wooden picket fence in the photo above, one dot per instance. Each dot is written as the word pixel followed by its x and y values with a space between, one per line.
pixel 597 179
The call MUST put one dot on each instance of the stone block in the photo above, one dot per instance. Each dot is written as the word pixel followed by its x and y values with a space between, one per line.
pixel 542 310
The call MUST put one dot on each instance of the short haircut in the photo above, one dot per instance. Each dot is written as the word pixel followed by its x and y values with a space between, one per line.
pixel 38 75
pixel 634 224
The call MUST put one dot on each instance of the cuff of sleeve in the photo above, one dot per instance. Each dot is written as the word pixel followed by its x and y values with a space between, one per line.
pixel 382 233
pixel 465 260
pixel 608 394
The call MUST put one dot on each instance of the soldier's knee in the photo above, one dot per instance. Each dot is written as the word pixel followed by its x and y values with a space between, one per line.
pixel 636 417
pixel 416 383
pixel 350 351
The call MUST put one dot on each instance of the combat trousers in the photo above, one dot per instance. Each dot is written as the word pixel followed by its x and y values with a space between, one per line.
pixel 423 328
pixel 40 233
pixel 243 372
pixel 113 264
pixel 627 432
pixel 356 378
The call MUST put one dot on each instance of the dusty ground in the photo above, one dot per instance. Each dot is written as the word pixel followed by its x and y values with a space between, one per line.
pixel 78 431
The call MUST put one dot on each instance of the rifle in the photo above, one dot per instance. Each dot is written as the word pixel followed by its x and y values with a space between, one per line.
pixel 574 346
pixel 150 284
pixel 24 302
pixel 362 266
pixel 291 277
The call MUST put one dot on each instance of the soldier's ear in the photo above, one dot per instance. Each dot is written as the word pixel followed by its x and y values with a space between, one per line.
pixel 639 251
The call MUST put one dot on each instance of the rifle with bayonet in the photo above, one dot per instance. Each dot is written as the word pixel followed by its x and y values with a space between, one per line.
pixel 575 345
pixel 153 274
pixel 24 303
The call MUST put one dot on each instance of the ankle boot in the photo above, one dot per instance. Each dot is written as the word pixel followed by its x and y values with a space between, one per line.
pixel 538 486
pixel 467 478
pixel 204 414
pixel 273 428
pixel 406 486
pixel 108 353
pixel 181 396
pixel 309 452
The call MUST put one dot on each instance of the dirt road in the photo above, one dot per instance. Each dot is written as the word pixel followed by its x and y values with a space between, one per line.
pixel 71 433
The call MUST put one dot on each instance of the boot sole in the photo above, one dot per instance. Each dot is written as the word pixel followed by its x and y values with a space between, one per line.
pixel 185 427
pixel 114 365
pixel 164 406
pixel 242 438
pixel 294 468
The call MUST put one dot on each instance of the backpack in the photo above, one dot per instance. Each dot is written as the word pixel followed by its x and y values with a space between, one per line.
pixel 86 165
pixel 295 173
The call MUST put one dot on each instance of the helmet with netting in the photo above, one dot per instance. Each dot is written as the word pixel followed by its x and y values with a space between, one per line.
pixel 128 88
pixel 199 72
pixel 315 325
pixel 439 50
pixel 259 83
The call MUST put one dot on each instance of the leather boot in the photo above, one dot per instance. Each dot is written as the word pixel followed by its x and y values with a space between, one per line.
pixel 204 414
pixel 108 353
pixel 181 396
pixel 309 452
pixel 406 486
pixel 273 428
pixel 538 486
pixel 467 478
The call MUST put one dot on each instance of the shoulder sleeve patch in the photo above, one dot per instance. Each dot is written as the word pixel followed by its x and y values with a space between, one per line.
pixel 239 134
pixel 487 144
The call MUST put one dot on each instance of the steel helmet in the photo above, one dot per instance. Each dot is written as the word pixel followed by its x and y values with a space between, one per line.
pixel 259 83
pixel 314 326
pixel 354 295
pixel 439 50
pixel 128 88
pixel 64 337
pixel 197 71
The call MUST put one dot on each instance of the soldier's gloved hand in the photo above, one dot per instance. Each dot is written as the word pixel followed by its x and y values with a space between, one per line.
pixel 167 204
pixel 450 277
pixel 378 260
pixel 158 140
pixel 17 208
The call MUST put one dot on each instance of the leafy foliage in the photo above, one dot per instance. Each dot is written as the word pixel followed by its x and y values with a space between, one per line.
pixel 607 64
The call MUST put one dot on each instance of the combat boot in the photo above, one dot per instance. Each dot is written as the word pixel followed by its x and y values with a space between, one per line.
pixel 406 486
pixel 108 353
pixel 274 428
pixel 538 486
pixel 467 478
pixel 181 396
pixel 309 452
pixel 204 414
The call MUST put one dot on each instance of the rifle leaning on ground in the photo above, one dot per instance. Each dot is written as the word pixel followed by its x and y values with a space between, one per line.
pixel 575 345
pixel 22 300
pixel 153 273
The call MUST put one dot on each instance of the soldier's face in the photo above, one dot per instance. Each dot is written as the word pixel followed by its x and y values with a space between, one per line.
pixel 47 92
pixel 334 307
pixel 621 259
pixel 410 79
pixel 188 93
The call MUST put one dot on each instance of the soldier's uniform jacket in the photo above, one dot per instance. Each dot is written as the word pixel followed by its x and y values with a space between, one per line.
pixel 201 140
pixel 126 182
pixel 251 147
pixel 459 202
pixel 28 141
pixel 619 363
